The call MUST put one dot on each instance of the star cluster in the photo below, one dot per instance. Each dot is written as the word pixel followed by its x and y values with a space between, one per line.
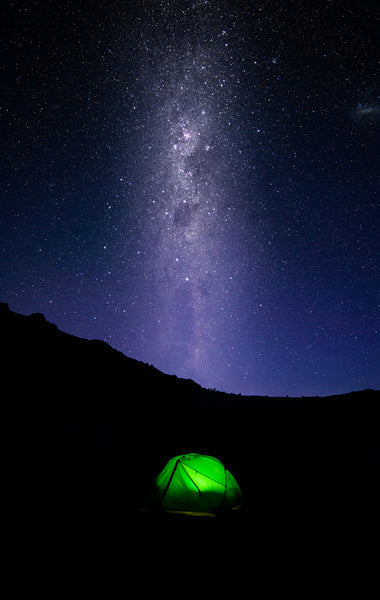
pixel 196 182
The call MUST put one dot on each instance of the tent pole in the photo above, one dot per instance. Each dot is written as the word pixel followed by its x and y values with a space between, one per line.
pixel 170 479
pixel 225 486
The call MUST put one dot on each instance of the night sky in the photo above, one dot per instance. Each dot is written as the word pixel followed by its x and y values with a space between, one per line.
pixel 197 184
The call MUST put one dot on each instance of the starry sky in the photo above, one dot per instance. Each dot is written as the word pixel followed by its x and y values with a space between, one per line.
pixel 197 183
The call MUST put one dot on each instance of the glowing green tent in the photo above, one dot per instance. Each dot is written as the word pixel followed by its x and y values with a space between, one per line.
pixel 195 484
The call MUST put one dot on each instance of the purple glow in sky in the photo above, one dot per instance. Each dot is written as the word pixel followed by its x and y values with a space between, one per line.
pixel 196 183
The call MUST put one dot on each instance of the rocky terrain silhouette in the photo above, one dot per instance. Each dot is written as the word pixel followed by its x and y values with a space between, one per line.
pixel 85 431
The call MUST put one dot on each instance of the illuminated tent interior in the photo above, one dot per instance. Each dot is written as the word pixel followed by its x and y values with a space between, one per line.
pixel 195 484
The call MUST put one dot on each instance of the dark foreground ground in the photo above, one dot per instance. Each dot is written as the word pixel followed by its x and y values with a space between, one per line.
pixel 85 431
pixel 75 531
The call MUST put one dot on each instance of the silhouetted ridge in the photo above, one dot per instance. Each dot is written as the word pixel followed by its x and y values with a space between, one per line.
pixel 62 382
pixel 88 430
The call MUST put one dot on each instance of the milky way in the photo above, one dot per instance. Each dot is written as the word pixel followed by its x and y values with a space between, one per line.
pixel 192 200
pixel 196 183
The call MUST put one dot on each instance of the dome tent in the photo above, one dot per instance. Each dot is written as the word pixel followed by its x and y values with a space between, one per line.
pixel 195 484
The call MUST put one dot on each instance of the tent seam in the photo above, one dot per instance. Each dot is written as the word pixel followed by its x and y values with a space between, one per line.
pixel 208 476
pixel 170 479
pixel 204 496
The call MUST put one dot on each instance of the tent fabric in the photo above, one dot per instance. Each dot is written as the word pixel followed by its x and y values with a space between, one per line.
pixel 196 484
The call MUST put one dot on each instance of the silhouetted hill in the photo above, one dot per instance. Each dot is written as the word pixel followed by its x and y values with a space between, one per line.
pixel 86 429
